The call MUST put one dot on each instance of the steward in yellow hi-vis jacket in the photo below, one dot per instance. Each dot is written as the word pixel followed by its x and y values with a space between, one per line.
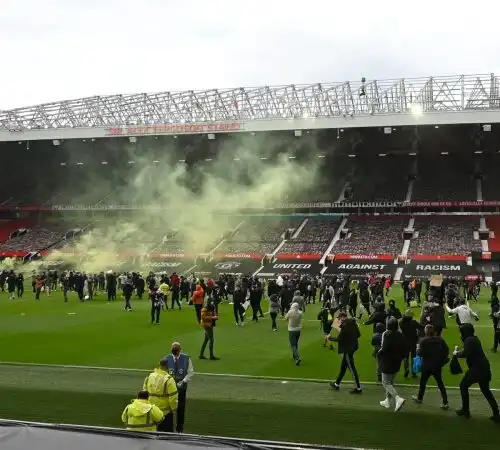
pixel 162 391
pixel 141 415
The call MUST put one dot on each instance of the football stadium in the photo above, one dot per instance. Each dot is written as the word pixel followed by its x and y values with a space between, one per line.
pixel 321 192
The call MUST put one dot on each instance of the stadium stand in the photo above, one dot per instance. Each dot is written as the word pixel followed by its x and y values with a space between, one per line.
pixel 8 227
pixel 445 235
pixel 445 178
pixel 493 223
pixel 259 235
pixel 333 175
pixel 34 239
pixel 379 179
pixel 372 235
pixel 313 238
pixel 490 179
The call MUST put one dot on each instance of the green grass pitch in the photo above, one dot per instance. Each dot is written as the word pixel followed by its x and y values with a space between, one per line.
pixel 277 403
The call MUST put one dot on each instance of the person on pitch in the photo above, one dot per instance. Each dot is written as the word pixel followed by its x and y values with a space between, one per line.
pixel 208 321
pixel 180 366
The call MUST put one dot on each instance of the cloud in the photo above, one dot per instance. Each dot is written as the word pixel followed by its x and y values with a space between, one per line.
pixel 85 48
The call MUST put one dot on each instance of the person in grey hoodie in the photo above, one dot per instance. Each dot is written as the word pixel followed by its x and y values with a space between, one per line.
pixel 297 298
pixel 294 317
pixel 274 309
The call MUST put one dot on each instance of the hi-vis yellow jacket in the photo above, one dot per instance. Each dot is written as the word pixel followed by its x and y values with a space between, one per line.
pixel 162 390
pixel 141 415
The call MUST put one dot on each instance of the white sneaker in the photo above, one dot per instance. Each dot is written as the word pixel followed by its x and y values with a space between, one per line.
pixel 399 403
pixel 385 403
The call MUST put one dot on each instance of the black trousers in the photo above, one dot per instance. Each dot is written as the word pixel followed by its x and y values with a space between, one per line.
pixel 175 300
pixel 20 290
pixel 167 424
pixel 127 301
pixel 238 312
pixel 496 339
pixel 37 293
pixel 181 411
pixel 209 339
pixel 273 320
pixel 438 376
pixel 408 361
pixel 155 314
pixel 348 363
pixel 198 309
pixel 483 379
pixel 111 294
pixel 259 309
pixel 255 311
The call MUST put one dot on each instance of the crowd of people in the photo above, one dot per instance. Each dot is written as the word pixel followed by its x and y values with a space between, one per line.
pixel 399 339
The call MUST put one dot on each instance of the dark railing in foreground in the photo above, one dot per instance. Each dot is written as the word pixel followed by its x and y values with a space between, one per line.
pixel 12 436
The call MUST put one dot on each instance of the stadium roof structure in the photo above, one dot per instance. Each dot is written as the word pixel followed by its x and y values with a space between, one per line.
pixel 398 102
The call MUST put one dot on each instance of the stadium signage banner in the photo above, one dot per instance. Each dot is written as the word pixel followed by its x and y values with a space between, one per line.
pixel 290 267
pixel 299 256
pixel 167 255
pixel 319 205
pixel 178 128
pixel 162 264
pixel 244 255
pixel 361 268
pixel 14 254
pixel 343 256
pixel 438 257
pixel 428 268
pixel 230 267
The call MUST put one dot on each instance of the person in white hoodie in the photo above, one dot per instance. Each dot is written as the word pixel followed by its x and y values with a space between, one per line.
pixel 294 317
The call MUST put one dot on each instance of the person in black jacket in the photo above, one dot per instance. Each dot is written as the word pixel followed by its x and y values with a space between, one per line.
pixel 495 317
pixel 479 372
pixel 364 298
pixel 379 316
pixel 348 345
pixel 393 310
pixel 238 309
pixel 286 297
pixel 390 356
pixel 377 345
pixel 434 353
pixel 128 290
pixel 326 319
pixel 353 303
pixel 411 330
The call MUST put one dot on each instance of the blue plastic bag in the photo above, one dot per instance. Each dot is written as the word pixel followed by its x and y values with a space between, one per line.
pixel 417 365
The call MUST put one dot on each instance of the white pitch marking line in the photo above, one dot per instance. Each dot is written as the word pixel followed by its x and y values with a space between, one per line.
pixel 221 375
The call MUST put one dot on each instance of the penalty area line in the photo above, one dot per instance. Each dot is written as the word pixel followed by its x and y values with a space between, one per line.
pixel 219 375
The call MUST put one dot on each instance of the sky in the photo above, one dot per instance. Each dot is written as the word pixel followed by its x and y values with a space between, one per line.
pixel 63 49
